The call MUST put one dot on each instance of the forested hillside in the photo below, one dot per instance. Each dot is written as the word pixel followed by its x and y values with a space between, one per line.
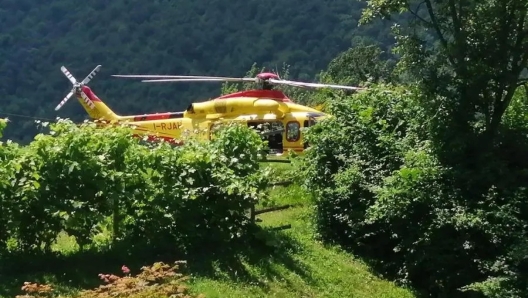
pixel 182 37
pixel 422 177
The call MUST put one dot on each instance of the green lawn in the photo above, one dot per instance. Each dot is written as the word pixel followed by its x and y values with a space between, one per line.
pixel 287 263
pixel 301 267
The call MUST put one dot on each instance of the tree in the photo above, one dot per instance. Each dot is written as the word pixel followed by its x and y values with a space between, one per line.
pixel 475 63
pixel 359 64
pixel 461 182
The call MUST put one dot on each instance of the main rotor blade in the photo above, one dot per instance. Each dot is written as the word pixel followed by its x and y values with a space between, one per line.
pixel 158 76
pixel 314 85
pixel 201 80
pixel 170 77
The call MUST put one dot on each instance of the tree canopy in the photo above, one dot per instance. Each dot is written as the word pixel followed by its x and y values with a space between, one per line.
pixel 475 58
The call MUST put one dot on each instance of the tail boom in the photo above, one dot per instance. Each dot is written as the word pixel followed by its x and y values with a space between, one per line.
pixel 94 106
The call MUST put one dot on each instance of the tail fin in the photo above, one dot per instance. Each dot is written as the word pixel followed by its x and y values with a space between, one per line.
pixel 87 98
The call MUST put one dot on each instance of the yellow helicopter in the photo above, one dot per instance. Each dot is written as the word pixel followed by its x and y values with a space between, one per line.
pixel 270 111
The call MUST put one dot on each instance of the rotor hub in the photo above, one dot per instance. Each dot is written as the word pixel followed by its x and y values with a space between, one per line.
pixel 264 76
pixel 77 88
pixel 263 79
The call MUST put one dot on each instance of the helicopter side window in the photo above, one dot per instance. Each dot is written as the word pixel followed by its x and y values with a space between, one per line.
pixel 271 131
pixel 293 131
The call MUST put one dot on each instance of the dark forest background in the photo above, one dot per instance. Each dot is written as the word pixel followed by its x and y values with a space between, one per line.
pixel 160 37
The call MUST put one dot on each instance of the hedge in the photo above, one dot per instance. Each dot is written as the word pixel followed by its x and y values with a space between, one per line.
pixel 76 176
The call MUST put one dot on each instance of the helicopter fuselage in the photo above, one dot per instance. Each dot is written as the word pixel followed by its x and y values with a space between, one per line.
pixel 279 119
pixel 271 111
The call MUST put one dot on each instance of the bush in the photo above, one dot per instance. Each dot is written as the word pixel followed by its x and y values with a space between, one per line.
pixel 8 151
pixel 76 176
pixel 351 153
pixel 383 191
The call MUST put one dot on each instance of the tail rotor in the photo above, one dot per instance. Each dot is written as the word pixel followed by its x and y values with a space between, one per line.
pixel 77 87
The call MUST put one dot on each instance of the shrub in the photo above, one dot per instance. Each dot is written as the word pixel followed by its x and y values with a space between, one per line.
pixel 351 153
pixel 383 191
pixel 8 168
pixel 76 176
pixel 199 193
pixel 158 280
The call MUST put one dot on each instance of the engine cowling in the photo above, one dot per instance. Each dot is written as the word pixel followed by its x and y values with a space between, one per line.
pixel 238 106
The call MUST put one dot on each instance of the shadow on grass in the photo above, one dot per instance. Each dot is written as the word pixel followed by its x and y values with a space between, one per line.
pixel 69 273
pixel 266 250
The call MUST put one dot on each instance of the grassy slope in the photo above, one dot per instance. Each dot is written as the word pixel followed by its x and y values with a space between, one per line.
pixel 292 264
pixel 308 270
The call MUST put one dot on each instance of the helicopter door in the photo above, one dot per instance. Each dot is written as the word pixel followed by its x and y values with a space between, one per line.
pixel 293 136
pixel 271 131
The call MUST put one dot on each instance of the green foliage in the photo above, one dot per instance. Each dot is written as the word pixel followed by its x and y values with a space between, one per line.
pixel 382 190
pixel 8 168
pixel 517 113
pixel 3 124
pixel 362 63
pixel 342 175
pixel 443 204
pixel 77 176
pixel 469 57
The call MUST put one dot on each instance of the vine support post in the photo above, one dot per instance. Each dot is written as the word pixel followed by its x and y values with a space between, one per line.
pixel 252 213
pixel 115 219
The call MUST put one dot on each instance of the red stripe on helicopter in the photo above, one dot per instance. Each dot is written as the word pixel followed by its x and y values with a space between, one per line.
pixel 159 116
pixel 272 94
pixel 89 93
